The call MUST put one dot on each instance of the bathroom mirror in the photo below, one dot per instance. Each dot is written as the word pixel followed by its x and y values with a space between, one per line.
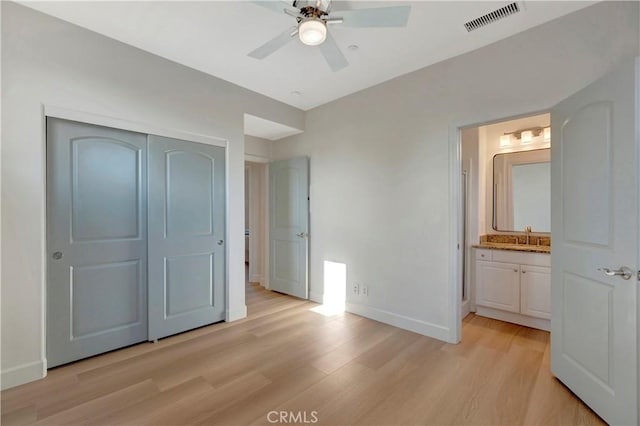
pixel 522 191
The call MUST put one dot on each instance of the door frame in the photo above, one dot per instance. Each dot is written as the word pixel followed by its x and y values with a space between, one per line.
pixel 264 223
pixel 456 268
pixel 54 111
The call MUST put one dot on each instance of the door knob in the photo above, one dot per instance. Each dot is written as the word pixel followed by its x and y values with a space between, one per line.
pixel 57 255
pixel 624 272
pixel 301 235
pixel 220 242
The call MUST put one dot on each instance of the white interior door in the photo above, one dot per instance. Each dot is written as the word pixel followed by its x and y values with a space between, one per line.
pixel 595 225
pixel 289 226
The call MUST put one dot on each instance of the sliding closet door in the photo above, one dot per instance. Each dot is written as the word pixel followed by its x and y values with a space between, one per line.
pixel 96 240
pixel 186 235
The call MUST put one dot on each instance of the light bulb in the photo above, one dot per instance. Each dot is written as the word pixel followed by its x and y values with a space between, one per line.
pixel 547 134
pixel 505 140
pixel 312 32
pixel 526 137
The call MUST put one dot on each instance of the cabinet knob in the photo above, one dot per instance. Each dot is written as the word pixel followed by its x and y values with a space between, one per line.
pixel 524 272
pixel 515 270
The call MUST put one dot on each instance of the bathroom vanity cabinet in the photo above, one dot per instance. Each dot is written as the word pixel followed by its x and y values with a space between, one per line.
pixel 513 286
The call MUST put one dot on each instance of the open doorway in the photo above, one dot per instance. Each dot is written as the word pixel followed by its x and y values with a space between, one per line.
pixel 505 209
pixel 256 223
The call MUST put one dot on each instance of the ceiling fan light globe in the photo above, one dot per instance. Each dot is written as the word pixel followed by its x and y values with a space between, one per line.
pixel 312 32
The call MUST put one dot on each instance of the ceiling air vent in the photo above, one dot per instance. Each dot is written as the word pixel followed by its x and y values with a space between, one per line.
pixel 491 17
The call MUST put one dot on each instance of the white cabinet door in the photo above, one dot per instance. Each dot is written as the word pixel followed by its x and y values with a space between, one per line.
pixel 535 291
pixel 498 285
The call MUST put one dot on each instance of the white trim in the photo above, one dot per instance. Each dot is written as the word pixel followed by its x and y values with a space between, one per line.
pixel 236 315
pixel 637 105
pixel 417 326
pixel 539 323
pixel 256 158
pixel 256 278
pixel 22 374
pixel 266 261
pixel 118 123
pixel 316 297
pixel 455 258
pixel 43 246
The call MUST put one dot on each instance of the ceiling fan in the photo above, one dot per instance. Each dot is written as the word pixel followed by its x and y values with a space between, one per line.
pixel 313 17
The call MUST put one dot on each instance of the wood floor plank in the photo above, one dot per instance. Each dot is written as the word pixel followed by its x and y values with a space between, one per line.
pixel 21 416
pixel 79 414
pixel 287 357
pixel 134 413
pixel 194 409
pixel 250 408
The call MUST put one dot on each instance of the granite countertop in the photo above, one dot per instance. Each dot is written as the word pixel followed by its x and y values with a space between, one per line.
pixel 514 247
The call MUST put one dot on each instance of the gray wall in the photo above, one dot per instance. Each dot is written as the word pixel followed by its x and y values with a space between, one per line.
pixel 49 62
pixel 380 158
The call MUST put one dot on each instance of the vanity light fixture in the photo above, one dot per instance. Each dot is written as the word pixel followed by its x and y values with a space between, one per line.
pixel 526 137
pixel 505 140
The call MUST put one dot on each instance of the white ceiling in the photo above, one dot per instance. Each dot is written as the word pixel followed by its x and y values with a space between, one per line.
pixel 215 37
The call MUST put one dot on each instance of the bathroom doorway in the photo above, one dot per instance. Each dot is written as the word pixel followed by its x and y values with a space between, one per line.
pixel 504 264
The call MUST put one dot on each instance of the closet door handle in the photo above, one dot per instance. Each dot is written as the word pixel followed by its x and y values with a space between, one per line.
pixel 220 242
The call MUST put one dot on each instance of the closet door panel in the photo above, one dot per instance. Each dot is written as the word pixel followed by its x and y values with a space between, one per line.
pixel 186 235
pixel 96 240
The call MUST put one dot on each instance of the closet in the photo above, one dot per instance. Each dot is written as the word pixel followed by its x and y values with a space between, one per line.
pixel 135 238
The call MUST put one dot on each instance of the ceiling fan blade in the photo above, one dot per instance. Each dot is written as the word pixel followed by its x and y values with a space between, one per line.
pixel 394 16
pixel 332 54
pixel 274 6
pixel 274 44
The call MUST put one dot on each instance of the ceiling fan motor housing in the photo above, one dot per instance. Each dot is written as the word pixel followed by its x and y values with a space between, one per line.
pixel 313 8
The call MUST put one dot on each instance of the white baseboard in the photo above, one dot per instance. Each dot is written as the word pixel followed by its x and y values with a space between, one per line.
pixel 417 326
pixel 22 374
pixel 256 278
pixel 236 314
pixel 316 297
pixel 527 321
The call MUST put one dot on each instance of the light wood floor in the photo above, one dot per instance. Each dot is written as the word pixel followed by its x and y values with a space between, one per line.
pixel 348 369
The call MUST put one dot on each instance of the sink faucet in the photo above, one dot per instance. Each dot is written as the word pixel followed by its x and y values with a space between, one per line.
pixel 527 231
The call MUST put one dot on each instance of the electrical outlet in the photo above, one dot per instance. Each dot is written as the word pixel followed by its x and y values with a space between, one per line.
pixel 356 289
pixel 365 290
